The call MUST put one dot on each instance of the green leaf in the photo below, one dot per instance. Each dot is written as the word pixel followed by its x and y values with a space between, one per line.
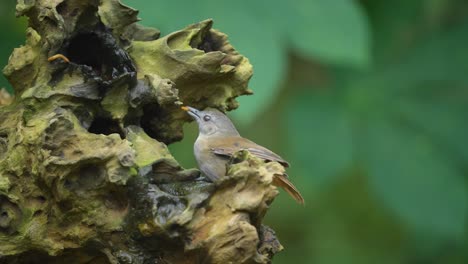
pixel 414 158
pixel 400 25
pixel 442 57
pixel 334 32
pixel 414 180
pixel 320 136
pixel 427 91
pixel 445 123
pixel 397 24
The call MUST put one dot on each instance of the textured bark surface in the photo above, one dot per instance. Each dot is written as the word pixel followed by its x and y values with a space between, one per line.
pixel 85 173
pixel 5 97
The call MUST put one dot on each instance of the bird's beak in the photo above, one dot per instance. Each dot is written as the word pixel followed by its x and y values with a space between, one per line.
pixel 191 111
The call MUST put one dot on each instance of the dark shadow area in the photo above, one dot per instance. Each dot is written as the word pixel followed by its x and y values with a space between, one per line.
pixel 99 55
pixel 106 126
pixel 89 256
pixel 87 49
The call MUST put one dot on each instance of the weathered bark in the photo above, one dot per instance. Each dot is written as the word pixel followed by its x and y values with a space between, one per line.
pixel 5 97
pixel 85 173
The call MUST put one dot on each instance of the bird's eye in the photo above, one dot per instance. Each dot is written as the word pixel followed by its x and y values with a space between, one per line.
pixel 207 118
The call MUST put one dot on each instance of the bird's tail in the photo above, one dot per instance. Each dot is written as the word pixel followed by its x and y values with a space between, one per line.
pixel 283 182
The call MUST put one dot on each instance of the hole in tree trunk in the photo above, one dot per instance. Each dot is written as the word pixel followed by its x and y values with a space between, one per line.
pixel 87 49
pixel 106 126
pixel 100 56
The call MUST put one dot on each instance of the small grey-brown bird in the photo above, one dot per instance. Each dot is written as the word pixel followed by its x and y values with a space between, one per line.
pixel 218 140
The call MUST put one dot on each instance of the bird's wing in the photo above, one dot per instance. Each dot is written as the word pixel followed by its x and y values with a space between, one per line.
pixel 230 145
pixel 223 151
pixel 239 143
pixel 266 154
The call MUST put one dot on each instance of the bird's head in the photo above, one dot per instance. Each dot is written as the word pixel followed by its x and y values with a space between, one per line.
pixel 212 122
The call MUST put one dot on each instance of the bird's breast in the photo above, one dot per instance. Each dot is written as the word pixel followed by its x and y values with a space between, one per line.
pixel 213 166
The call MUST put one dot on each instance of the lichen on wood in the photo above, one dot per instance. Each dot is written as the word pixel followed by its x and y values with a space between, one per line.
pixel 5 97
pixel 85 172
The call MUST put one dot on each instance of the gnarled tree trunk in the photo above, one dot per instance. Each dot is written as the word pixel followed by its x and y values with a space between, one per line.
pixel 85 173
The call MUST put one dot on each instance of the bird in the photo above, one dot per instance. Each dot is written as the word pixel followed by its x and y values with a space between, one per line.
pixel 218 139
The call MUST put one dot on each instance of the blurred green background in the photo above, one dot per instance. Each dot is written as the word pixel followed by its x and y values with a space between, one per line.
pixel 368 100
